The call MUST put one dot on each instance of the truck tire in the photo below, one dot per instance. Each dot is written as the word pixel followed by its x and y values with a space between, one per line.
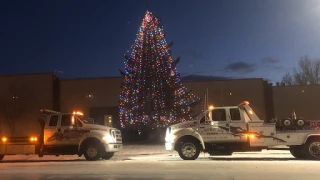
pixel 189 150
pixel 107 155
pixel 312 148
pixel 93 151
pixel 297 152
pixel 300 122
pixel 1 156
pixel 286 122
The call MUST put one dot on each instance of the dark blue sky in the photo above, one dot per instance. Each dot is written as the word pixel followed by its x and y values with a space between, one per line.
pixel 247 38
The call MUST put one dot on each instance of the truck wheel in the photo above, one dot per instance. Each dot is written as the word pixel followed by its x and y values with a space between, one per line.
pixel 286 122
pixel 108 155
pixel 300 122
pixel 312 149
pixel 189 150
pixel 1 156
pixel 297 152
pixel 93 152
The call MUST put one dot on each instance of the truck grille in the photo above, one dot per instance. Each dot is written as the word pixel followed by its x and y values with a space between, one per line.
pixel 118 136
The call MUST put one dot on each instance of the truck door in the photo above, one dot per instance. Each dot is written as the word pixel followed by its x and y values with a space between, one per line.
pixel 66 129
pixel 57 131
pixel 237 125
pixel 51 130
pixel 217 129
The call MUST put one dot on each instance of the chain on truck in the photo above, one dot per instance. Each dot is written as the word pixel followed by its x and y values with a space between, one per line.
pixel 225 130
pixel 66 134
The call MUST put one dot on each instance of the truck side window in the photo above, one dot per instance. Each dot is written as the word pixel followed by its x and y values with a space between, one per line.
pixel 66 120
pixel 235 114
pixel 219 115
pixel 53 120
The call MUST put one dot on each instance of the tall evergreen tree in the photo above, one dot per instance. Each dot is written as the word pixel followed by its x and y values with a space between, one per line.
pixel 152 92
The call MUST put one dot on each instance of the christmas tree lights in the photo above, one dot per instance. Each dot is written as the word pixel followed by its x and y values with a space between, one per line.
pixel 152 92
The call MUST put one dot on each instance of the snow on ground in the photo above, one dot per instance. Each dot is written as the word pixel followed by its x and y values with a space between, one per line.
pixel 150 152
pixel 143 149
pixel 128 150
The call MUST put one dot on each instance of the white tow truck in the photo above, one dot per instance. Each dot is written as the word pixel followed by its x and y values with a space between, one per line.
pixel 224 130
pixel 66 134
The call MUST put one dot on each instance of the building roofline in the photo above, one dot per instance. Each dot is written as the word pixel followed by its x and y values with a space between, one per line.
pixel 308 85
pixel 27 74
pixel 233 79
pixel 90 78
pixel 116 77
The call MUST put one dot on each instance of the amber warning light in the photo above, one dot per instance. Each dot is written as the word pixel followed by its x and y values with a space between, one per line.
pixel 4 139
pixel 251 136
pixel 244 103
pixel 33 139
pixel 77 113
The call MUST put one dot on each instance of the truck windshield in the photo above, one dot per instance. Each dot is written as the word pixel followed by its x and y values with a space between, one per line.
pixel 88 121
pixel 201 115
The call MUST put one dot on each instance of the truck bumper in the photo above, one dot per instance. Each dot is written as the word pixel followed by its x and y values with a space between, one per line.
pixel 169 146
pixel 113 147
pixel 13 149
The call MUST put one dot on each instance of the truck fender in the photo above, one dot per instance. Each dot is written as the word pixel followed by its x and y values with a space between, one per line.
pixel 190 132
pixel 92 134
pixel 311 135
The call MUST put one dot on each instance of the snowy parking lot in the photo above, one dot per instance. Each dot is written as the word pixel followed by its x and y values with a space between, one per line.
pixel 153 162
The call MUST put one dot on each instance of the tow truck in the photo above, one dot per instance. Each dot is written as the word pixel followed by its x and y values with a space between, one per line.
pixel 225 130
pixel 66 134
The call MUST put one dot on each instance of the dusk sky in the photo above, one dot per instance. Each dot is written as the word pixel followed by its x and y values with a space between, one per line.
pixel 234 38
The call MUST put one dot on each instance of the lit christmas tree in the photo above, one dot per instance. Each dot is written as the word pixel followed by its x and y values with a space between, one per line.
pixel 152 93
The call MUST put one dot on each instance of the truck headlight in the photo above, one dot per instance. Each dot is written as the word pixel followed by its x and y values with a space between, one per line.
pixel 170 137
pixel 107 138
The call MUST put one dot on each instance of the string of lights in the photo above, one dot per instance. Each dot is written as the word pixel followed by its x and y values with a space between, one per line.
pixel 152 92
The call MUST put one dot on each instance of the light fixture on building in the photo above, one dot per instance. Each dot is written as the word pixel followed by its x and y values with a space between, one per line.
pixel 15 97
pixel 302 91
pixel 89 96
pixel 230 94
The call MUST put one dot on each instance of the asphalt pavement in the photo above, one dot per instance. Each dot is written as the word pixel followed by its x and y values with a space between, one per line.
pixel 241 166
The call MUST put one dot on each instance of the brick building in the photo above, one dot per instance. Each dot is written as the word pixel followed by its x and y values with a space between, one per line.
pixel 303 99
pixel 21 98
pixel 99 97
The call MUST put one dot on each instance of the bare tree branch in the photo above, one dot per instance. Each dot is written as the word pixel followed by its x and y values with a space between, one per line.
pixel 308 72
pixel 287 79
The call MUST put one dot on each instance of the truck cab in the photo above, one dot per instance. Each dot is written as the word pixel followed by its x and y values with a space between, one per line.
pixel 224 130
pixel 67 134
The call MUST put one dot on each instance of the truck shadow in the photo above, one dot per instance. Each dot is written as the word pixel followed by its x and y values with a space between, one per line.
pixel 252 159
pixel 33 161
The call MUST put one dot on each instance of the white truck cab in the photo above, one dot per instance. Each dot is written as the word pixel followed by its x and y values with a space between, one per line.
pixel 224 130
pixel 66 134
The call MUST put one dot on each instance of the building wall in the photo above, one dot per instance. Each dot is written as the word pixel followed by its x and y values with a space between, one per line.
pixel 233 92
pixel 83 94
pixel 97 97
pixel 303 99
pixel 105 95
pixel 24 96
